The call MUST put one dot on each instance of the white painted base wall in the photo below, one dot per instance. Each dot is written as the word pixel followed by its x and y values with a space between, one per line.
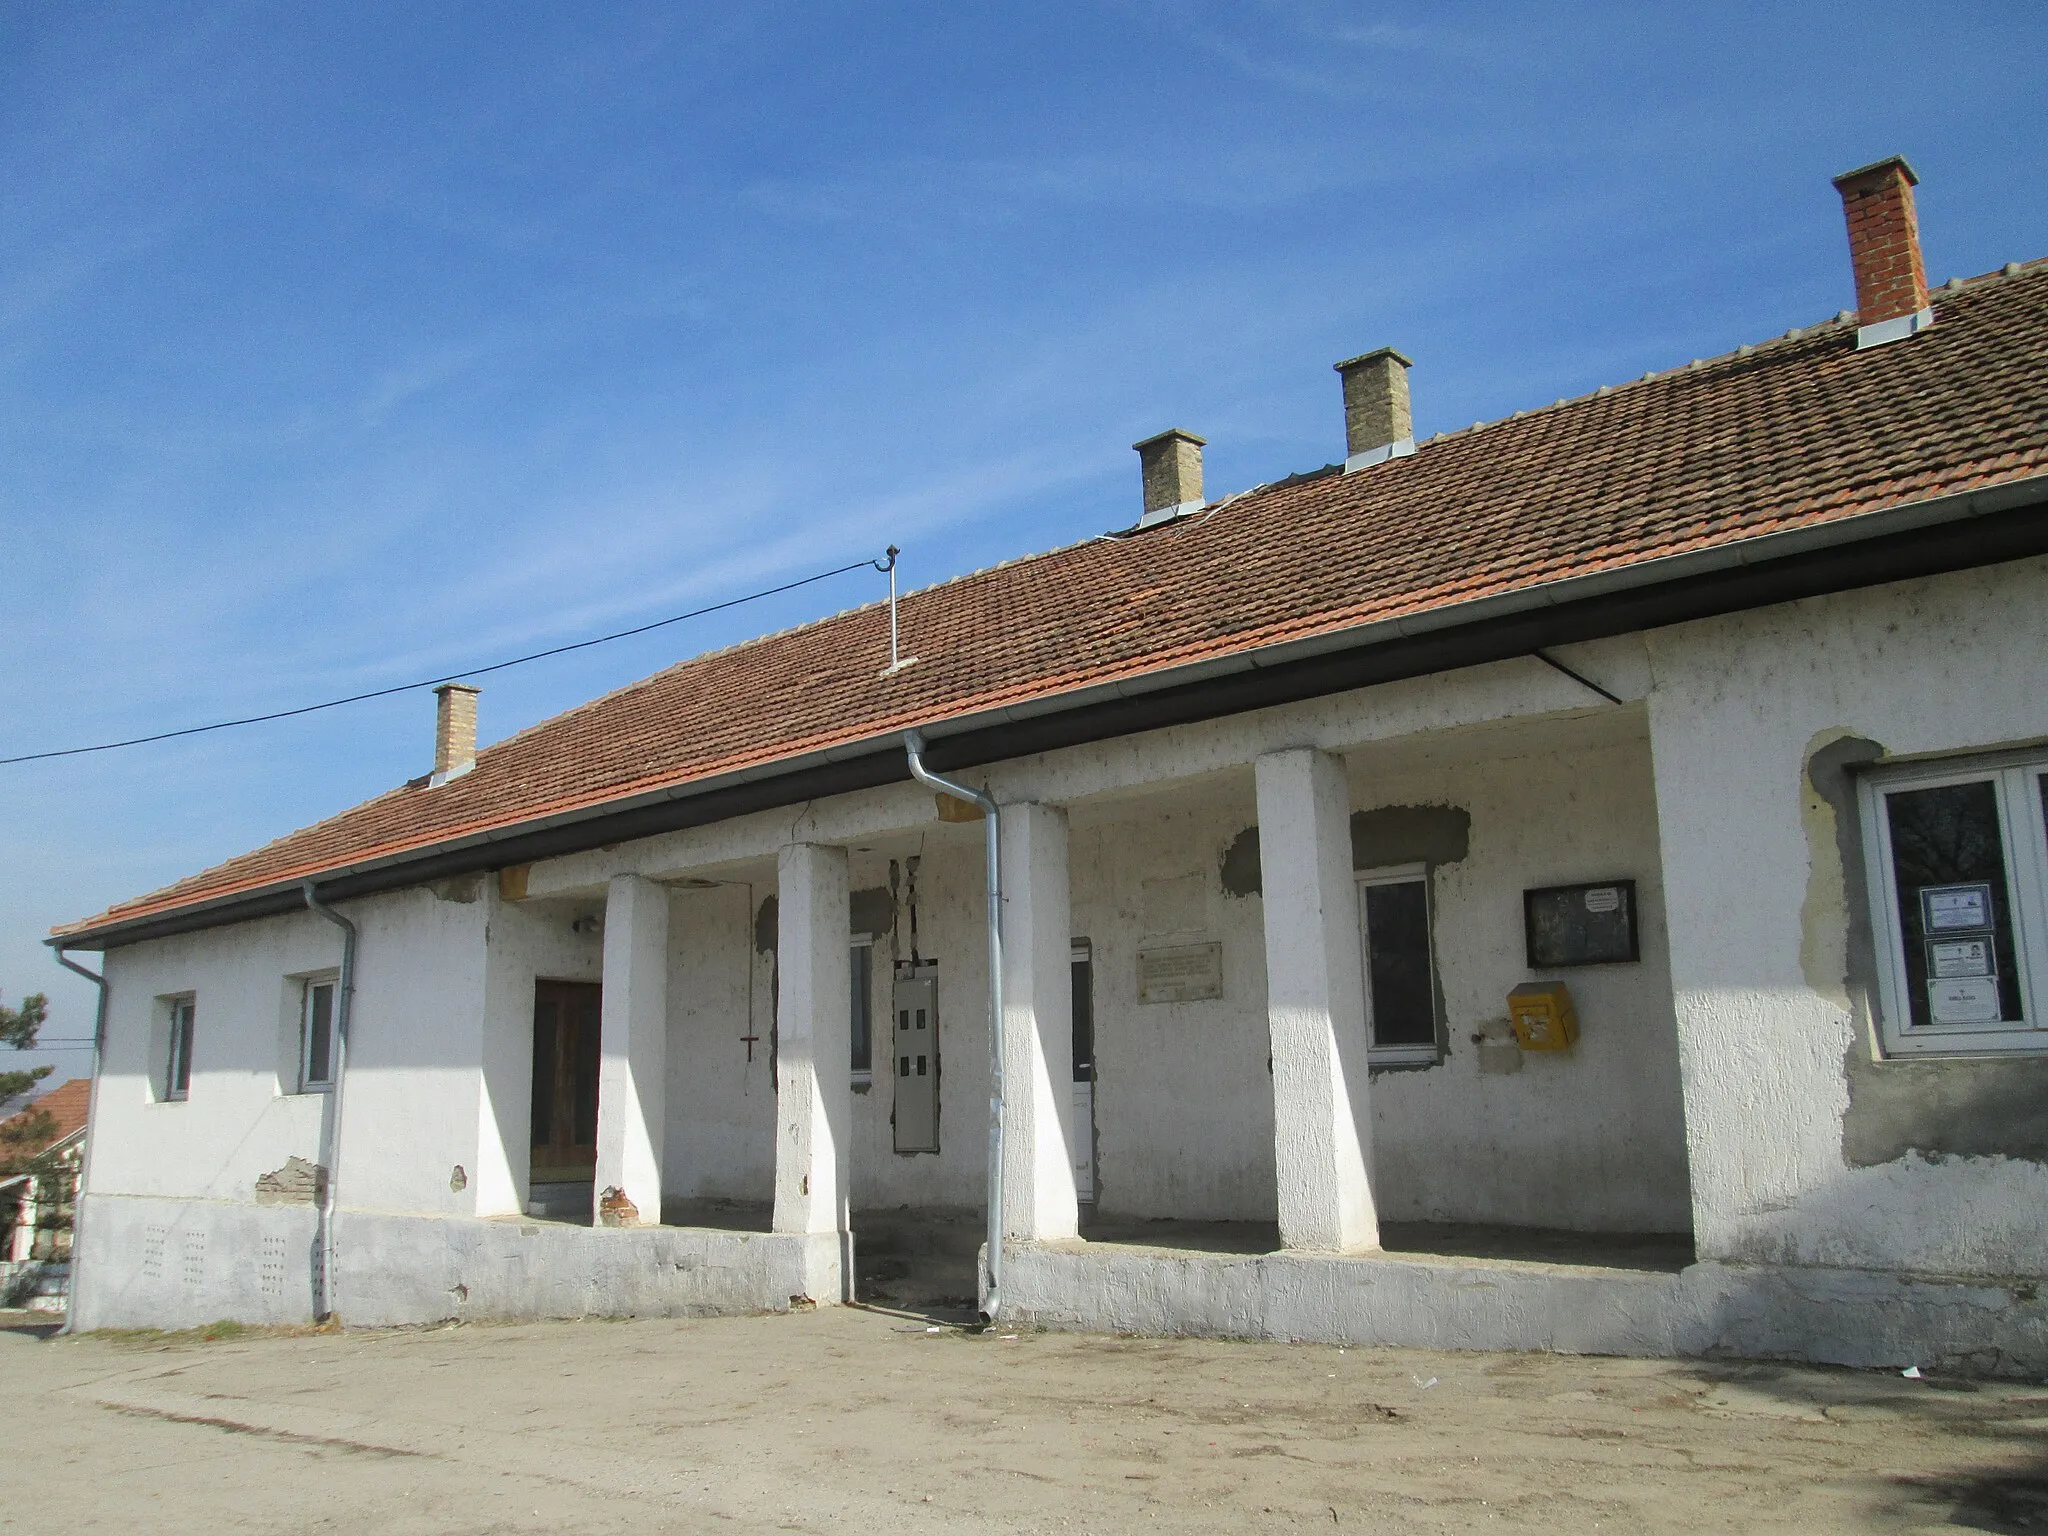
pixel 1829 1316
pixel 155 1263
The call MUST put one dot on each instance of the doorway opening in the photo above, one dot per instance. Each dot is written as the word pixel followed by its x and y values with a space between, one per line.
pixel 563 1172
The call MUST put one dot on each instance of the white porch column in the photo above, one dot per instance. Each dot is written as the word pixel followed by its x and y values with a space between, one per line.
pixel 1315 1003
pixel 813 1042
pixel 1038 1027
pixel 633 1065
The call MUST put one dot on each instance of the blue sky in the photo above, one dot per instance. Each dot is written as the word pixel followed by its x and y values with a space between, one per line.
pixel 341 346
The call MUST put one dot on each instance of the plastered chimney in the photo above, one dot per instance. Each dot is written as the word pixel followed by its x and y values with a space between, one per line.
pixel 1171 467
pixel 1378 424
pixel 454 731
pixel 1884 251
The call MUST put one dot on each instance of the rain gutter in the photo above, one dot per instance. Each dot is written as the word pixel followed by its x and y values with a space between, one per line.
pixel 913 752
pixel 92 1109
pixel 330 1151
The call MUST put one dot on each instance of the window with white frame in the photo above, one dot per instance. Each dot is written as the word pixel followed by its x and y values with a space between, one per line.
pixel 1400 968
pixel 1957 856
pixel 177 1080
pixel 318 999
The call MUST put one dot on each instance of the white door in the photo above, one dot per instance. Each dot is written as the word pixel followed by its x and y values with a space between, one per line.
pixel 916 1058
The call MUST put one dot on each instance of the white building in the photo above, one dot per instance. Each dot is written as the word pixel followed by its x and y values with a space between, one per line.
pixel 1716 697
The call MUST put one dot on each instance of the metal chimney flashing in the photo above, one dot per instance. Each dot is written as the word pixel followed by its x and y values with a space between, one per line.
pixel 1158 515
pixel 1896 329
pixel 1372 456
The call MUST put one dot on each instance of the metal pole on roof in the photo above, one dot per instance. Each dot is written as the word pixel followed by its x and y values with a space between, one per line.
pixel 92 1104
pixel 913 750
pixel 897 660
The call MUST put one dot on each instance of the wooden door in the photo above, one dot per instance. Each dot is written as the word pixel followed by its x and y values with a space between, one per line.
pixel 565 1052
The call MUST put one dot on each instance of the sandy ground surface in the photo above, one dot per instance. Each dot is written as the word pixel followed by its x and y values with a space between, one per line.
pixel 861 1421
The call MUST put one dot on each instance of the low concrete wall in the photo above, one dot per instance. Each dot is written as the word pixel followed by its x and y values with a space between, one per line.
pixel 413 1269
pixel 156 1263
pixel 1832 1316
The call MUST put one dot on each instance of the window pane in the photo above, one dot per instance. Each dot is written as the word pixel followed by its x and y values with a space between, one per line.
pixel 1084 1021
pixel 180 1075
pixel 320 1033
pixel 1397 964
pixel 1954 916
pixel 863 1020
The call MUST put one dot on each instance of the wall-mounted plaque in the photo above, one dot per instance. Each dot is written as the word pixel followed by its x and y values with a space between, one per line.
pixel 1591 924
pixel 1180 973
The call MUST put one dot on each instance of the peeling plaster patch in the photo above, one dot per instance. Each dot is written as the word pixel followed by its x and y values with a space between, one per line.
pixel 1958 1108
pixel 1500 1050
pixel 1986 1108
pixel 1835 948
pixel 873 911
pixel 298 1182
pixel 1410 834
pixel 1392 834
pixel 615 1210
pixel 463 888
pixel 1241 864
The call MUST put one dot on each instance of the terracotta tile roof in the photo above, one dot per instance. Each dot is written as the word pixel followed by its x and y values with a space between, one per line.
pixel 66 1104
pixel 1796 431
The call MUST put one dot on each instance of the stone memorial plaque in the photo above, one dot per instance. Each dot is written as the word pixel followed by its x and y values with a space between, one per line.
pixel 1180 973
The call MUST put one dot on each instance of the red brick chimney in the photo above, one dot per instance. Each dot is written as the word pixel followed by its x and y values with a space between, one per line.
pixel 1884 249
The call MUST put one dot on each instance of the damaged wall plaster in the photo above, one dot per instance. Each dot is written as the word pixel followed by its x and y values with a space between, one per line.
pixel 1987 1107
pixel 871 911
pixel 1392 834
pixel 298 1182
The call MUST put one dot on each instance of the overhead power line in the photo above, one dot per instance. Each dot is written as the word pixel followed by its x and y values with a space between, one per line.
pixel 450 677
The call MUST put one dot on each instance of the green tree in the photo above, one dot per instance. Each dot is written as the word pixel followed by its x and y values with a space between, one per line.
pixel 18 1028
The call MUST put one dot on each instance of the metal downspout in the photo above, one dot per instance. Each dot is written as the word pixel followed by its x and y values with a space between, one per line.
pixel 330 1155
pixel 913 749
pixel 92 1104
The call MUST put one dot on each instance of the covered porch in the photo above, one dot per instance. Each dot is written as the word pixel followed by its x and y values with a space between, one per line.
pixel 1222 1037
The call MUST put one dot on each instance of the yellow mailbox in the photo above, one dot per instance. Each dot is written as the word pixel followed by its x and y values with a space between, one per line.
pixel 1543 1016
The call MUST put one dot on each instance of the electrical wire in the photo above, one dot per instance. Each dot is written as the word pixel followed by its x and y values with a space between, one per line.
pixel 496 666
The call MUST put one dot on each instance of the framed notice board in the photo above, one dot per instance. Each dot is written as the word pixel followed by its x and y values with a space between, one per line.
pixel 1591 924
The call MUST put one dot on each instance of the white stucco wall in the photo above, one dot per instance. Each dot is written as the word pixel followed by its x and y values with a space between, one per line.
pixel 721 1120
pixel 1925 667
pixel 239 1121
pixel 423 1046
pixel 527 942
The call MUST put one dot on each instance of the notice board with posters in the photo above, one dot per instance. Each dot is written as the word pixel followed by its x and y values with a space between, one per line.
pixel 1590 924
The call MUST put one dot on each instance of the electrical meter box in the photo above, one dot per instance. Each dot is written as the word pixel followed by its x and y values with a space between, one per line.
pixel 915 1040
pixel 1543 1016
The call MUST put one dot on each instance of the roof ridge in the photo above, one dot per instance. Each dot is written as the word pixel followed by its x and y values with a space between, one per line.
pixel 1841 319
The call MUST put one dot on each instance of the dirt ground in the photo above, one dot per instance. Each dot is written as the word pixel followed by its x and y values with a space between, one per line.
pixel 862 1421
